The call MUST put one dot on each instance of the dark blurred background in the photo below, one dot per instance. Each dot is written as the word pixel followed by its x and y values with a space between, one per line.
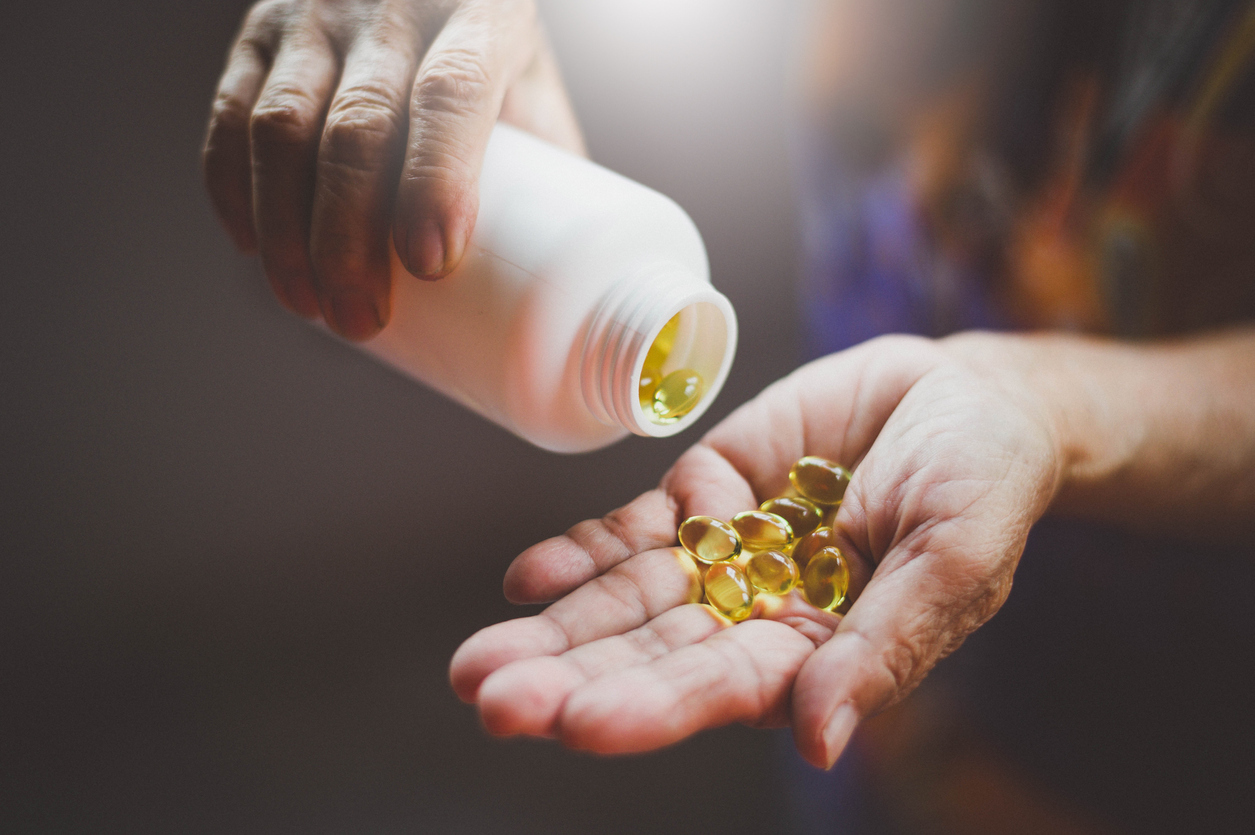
pixel 237 556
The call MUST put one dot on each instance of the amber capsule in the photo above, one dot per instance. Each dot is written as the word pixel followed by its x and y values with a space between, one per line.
pixel 802 515
pixel 810 545
pixel 762 531
pixel 729 591
pixel 709 540
pixel 661 347
pixel 826 579
pixel 772 572
pixel 676 396
pixel 651 376
pixel 820 480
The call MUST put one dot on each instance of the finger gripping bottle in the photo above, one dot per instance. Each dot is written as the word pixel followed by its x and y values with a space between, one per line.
pixel 582 309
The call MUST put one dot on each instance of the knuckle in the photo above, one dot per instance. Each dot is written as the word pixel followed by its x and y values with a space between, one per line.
pixel 363 130
pixel 286 118
pixel 228 115
pixel 601 540
pixel 899 667
pixel 906 662
pixel 453 82
pixel 988 603
pixel 900 661
pixel 617 525
pixel 444 179
pixel 627 592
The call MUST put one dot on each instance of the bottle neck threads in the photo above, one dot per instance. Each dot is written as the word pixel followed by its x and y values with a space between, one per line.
pixel 624 328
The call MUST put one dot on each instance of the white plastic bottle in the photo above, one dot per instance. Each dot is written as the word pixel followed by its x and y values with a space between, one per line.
pixel 570 274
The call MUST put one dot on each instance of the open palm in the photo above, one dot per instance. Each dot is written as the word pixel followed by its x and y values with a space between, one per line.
pixel 952 469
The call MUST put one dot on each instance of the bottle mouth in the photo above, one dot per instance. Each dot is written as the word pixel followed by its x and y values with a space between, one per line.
pixel 699 357
pixel 628 341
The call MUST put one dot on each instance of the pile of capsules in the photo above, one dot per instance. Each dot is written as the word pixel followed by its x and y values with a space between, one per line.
pixel 786 543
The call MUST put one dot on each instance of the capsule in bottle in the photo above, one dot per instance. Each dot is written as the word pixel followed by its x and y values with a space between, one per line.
pixel 677 395
pixel 651 370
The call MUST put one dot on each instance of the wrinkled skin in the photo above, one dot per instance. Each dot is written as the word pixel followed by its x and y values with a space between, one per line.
pixel 341 128
pixel 953 467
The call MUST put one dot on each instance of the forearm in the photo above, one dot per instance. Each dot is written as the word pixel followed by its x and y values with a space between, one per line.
pixel 1158 436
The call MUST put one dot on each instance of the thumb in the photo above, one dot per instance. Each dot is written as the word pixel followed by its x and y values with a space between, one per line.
pixel 907 618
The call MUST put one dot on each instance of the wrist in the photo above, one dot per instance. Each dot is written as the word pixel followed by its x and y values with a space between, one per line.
pixel 1061 382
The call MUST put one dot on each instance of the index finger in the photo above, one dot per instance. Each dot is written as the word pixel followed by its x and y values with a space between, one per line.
pixel 630 595
pixel 358 161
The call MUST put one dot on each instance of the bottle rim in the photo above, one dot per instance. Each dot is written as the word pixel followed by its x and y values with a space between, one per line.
pixel 626 324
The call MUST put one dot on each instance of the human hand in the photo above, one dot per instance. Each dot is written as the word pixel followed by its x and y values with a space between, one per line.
pixel 341 126
pixel 954 463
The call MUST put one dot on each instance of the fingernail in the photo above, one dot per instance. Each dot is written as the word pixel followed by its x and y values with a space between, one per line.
pixel 837 734
pixel 354 314
pixel 430 256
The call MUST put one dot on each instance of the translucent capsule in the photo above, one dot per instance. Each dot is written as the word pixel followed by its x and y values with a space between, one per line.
pixel 709 540
pixel 729 591
pixel 651 370
pixel 811 544
pixel 663 343
pixel 820 480
pixel 802 515
pixel 651 376
pixel 826 579
pixel 762 531
pixel 676 395
pixel 772 572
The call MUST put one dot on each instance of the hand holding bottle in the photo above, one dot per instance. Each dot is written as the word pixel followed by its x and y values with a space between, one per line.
pixel 341 126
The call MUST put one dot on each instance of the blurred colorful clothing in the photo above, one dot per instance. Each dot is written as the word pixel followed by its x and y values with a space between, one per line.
pixel 1100 179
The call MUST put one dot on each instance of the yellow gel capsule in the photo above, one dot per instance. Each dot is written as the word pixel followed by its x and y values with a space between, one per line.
pixel 802 515
pixel 772 572
pixel 651 376
pixel 728 590
pixel 651 369
pixel 709 540
pixel 820 480
pixel 762 531
pixel 826 579
pixel 663 343
pixel 811 544
pixel 676 395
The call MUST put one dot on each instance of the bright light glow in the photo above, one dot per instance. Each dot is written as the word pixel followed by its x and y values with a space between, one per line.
pixel 665 15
